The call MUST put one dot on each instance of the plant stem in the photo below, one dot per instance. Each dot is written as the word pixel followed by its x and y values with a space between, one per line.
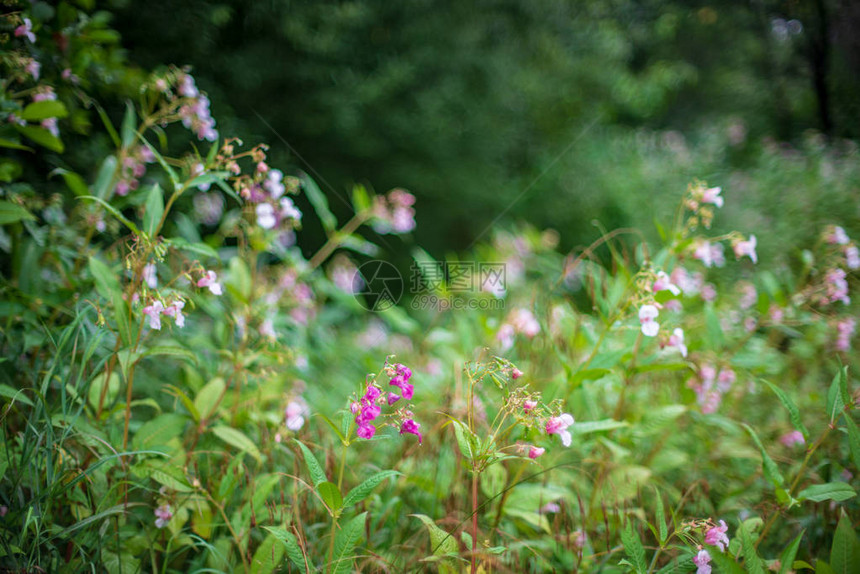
pixel 474 521
pixel 336 239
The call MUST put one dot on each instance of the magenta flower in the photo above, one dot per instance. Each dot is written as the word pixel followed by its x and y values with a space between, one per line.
pixel 393 398
pixel 536 451
pixel 747 248
pixel 516 373
pixel 154 313
pixel 558 425
pixel 701 560
pixel 647 314
pixel 210 280
pixel 366 431
pixel 716 536
pixel 837 286
pixel 163 514
pixel 26 30
pixel 663 283
pixel 411 427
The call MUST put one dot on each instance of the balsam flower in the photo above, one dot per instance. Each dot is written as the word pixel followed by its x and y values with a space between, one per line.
pixel 210 280
pixel 536 451
pixel 411 427
pixel 558 425
pixel 747 248
pixel 676 339
pixel 163 514
pixel 792 438
pixel 837 235
pixel 647 314
pixel 664 283
pixel 149 275
pixel 295 414
pixel 702 561
pixel 26 30
pixel 154 313
pixel 529 405
pixel 716 536
pixel 852 257
pixel 175 310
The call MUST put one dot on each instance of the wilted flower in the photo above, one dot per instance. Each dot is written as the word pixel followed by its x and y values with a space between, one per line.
pixel 558 425
pixel 647 314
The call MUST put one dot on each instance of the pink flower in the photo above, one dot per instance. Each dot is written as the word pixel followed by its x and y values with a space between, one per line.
pixel 154 313
pixel 516 373
pixel 709 254
pixel 749 295
pixel 676 339
pixel 837 286
pixel 536 451
pixel 647 314
pixel 792 438
pixel 742 248
pixel 845 330
pixel 33 67
pixel 210 280
pixel 411 427
pixel 550 508
pixel 163 514
pixel 366 431
pixel 701 560
pixel 716 536
pixel 529 405
pixel 175 310
pixel 393 398
pixel 837 235
pixel 50 124
pixel 558 425
pixel 266 215
pixel 663 283
pixel 712 196
pixel 295 414
pixel 26 30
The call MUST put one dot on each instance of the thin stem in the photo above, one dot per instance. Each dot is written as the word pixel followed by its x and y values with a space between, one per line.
pixel 336 239
pixel 474 521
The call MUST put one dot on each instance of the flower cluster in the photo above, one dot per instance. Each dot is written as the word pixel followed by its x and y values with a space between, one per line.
pixel 394 213
pixel 132 168
pixel 844 332
pixel 369 407
pixel 710 387
pixel 194 110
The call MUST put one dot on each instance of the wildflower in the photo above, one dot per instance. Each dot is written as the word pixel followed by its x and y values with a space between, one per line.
pixel 701 560
pixel 845 330
pixel 175 310
pixel 33 67
pixel 837 286
pixel 747 247
pixel 549 508
pixel 394 213
pixel 154 313
pixel 709 254
pixel 663 283
pixel 26 30
pixel 3 510
pixel 837 235
pixel 516 373
pixel 558 425
pixel 400 378
pixel 289 209
pixel 50 124
pixel 267 329
pixel 647 314
pixel 210 280
pixel 792 438
pixel 149 275
pixel 536 451
pixel 69 76
pixel 198 169
pixel 716 536
pixel 749 295
pixel 411 427
pixel 529 405
pixel 505 336
pixel 393 398
pixel 676 339
pixel 852 257
pixel 673 305
pixel 726 379
pixel 366 430
pixel 709 292
pixel 712 195
pixel 273 184
pixel 689 283
pixel 295 414
pixel 163 515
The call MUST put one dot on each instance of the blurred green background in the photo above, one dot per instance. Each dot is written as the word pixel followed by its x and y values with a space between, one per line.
pixel 555 112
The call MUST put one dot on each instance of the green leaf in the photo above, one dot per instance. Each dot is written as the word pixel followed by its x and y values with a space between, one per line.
pixel 17 395
pixel 268 556
pixel 330 494
pixel 74 182
pixel 319 202
pixel 596 426
pixel 189 404
pixel 837 491
pixel 345 542
pixel 209 396
pixel 713 327
pixel 159 431
pixel 466 440
pixel 12 212
pixel 291 545
pixel 360 198
pixel 725 564
pixel 680 565
pixel 174 179
pixel 105 177
pixel 441 543
pixel 108 125
pixel 38 111
pixel 314 468
pixel 752 562
pixel 170 351
pixel 853 439
pixel 202 249
pixel 238 439
pixel 771 471
pixel 633 548
pixel 845 551
pixel 364 489
pixel 115 212
pixel 837 395
pixel 42 137
pixel 793 411
pixel 661 518
pixel 786 559
pixel 129 125
pixel 11 144
pixel 153 210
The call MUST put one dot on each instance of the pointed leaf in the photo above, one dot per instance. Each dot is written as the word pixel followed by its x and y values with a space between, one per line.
pixel 236 438
pixel 661 519
pixel 845 551
pixel 837 491
pixel 330 495
pixel 364 489
pixel 786 559
pixel 12 212
pixel 129 125
pixel 291 545
pixel 314 468
pixel 153 210
pixel 771 471
pixel 42 137
pixel 441 543
pixel 345 542
pixel 853 439
pixel 319 202
pixel 793 411
pixel 42 110
pixel 633 548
